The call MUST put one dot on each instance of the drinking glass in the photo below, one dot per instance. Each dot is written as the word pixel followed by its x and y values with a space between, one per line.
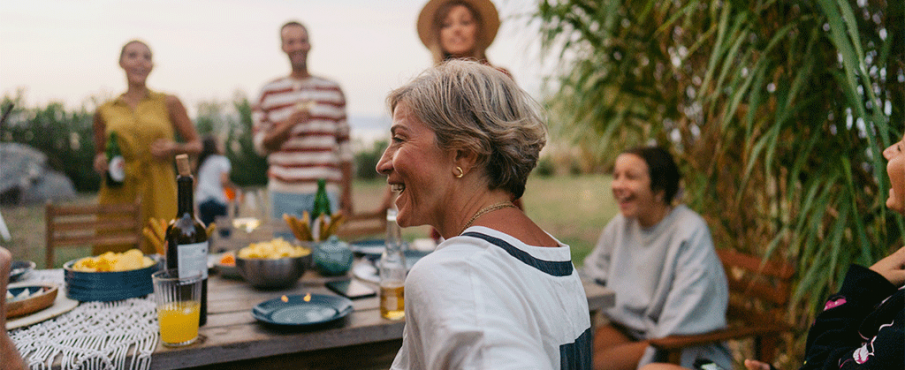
pixel 178 307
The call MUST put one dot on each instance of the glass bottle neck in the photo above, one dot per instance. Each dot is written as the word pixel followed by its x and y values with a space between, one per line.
pixel 185 201
pixel 394 232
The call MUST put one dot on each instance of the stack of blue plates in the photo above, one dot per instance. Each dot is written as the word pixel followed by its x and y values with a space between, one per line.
pixel 109 286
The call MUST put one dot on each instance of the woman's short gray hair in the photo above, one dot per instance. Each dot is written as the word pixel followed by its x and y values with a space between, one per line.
pixel 476 108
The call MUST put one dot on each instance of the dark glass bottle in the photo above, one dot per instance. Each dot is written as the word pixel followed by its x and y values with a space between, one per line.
pixel 116 165
pixel 321 207
pixel 187 245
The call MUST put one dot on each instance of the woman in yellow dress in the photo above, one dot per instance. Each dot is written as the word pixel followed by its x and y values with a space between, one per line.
pixel 145 123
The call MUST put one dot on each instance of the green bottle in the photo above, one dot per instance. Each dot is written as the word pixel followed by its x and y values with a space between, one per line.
pixel 321 207
pixel 116 165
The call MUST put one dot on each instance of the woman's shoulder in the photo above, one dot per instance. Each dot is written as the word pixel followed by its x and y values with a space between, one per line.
pixel 169 99
pixel 686 217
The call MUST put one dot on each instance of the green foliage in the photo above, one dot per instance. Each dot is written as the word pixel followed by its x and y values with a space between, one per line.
pixel 776 110
pixel 233 128
pixel 240 150
pixel 366 161
pixel 65 137
pixel 545 167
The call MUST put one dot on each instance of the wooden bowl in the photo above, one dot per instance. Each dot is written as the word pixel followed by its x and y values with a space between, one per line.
pixel 44 299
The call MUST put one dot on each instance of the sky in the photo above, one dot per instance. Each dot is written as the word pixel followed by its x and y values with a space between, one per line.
pixel 205 50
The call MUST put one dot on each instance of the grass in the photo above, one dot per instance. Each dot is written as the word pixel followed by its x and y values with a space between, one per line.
pixel 573 209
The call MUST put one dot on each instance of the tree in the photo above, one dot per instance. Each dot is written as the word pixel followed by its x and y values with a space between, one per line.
pixel 776 111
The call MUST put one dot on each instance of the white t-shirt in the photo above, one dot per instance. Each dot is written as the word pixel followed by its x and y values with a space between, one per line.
pixel 479 304
pixel 209 185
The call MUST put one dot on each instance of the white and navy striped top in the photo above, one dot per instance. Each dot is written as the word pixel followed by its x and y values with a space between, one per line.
pixel 485 300
pixel 315 148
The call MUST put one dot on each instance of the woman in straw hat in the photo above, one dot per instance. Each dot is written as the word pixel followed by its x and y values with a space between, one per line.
pixel 458 29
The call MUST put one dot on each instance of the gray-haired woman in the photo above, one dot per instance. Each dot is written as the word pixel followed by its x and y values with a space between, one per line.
pixel 499 292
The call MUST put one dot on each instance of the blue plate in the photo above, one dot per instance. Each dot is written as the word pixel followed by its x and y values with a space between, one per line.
pixel 367 269
pixel 18 269
pixel 297 312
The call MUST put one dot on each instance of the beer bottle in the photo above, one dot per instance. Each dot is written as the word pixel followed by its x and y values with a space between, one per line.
pixel 116 165
pixel 392 272
pixel 187 246
pixel 321 207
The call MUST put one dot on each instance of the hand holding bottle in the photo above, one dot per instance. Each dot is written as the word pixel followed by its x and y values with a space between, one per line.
pixel 100 163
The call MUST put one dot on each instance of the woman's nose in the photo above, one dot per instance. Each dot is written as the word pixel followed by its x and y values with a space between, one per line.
pixel 384 165
pixel 892 151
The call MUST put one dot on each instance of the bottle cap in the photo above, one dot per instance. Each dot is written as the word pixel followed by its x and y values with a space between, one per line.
pixel 182 163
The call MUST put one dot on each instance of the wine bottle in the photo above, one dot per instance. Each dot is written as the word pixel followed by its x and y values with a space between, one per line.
pixel 321 207
pixel 116 165
pixel 392 272
pixel 187 245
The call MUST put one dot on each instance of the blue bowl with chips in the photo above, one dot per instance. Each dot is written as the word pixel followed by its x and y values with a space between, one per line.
pixel 109 286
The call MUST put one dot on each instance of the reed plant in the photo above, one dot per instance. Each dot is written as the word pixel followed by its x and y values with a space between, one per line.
pixel 777 111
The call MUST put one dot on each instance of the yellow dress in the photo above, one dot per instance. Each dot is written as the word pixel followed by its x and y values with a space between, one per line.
pixel 151 179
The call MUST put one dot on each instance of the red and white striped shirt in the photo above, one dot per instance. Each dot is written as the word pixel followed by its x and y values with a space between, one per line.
pixel 315 148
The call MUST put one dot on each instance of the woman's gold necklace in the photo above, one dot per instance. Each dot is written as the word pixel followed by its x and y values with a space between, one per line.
pixel 486 210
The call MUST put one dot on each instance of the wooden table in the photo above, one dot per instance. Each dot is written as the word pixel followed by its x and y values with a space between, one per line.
pixel 233 339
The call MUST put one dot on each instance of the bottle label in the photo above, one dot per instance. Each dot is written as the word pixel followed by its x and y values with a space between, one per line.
pixel 317 224
pixel 192 259
pixel 117 168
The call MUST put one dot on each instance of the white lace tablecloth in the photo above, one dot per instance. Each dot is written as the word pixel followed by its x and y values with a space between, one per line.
pixel 94 335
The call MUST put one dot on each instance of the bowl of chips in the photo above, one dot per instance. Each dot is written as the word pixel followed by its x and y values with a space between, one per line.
pixel 273 264
pixel 110 276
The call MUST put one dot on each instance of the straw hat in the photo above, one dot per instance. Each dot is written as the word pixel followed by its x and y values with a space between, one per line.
pixel 490 21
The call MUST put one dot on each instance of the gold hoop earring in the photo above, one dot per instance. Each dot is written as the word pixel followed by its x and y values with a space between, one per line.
pixel 461 172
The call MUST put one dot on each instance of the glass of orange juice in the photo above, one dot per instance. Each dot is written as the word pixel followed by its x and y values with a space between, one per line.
pixel 178 307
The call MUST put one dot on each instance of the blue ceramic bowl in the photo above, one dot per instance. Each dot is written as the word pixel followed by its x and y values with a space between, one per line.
pixel 18 269
pixel 109 286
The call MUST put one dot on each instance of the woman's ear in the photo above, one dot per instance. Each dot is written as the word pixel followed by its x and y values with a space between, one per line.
pixel 660 195
pixel 465 159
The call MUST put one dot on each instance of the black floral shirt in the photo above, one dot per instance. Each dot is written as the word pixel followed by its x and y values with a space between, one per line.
pixel 861 326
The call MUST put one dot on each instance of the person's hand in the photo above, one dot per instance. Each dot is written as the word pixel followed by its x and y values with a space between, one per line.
pixel 9 355
pixel 892 267
pixel 163 149
pixel 757 365
pixel 5 263
pixel 299 116
pixel 346 204
pixel 100 163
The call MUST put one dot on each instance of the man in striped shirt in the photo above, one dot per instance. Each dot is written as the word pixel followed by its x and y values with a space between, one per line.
pixel 300 125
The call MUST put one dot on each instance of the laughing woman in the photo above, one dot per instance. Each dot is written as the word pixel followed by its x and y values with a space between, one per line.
pixel 659 259
pixel 145 123
pixel 499 292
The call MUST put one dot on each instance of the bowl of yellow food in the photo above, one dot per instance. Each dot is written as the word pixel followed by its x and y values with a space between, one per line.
pixel 110 276
pixel 273 264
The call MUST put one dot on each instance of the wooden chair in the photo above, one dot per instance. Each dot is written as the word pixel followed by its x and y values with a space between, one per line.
pixel 758 296
pixel 361 225
pixel 91 225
